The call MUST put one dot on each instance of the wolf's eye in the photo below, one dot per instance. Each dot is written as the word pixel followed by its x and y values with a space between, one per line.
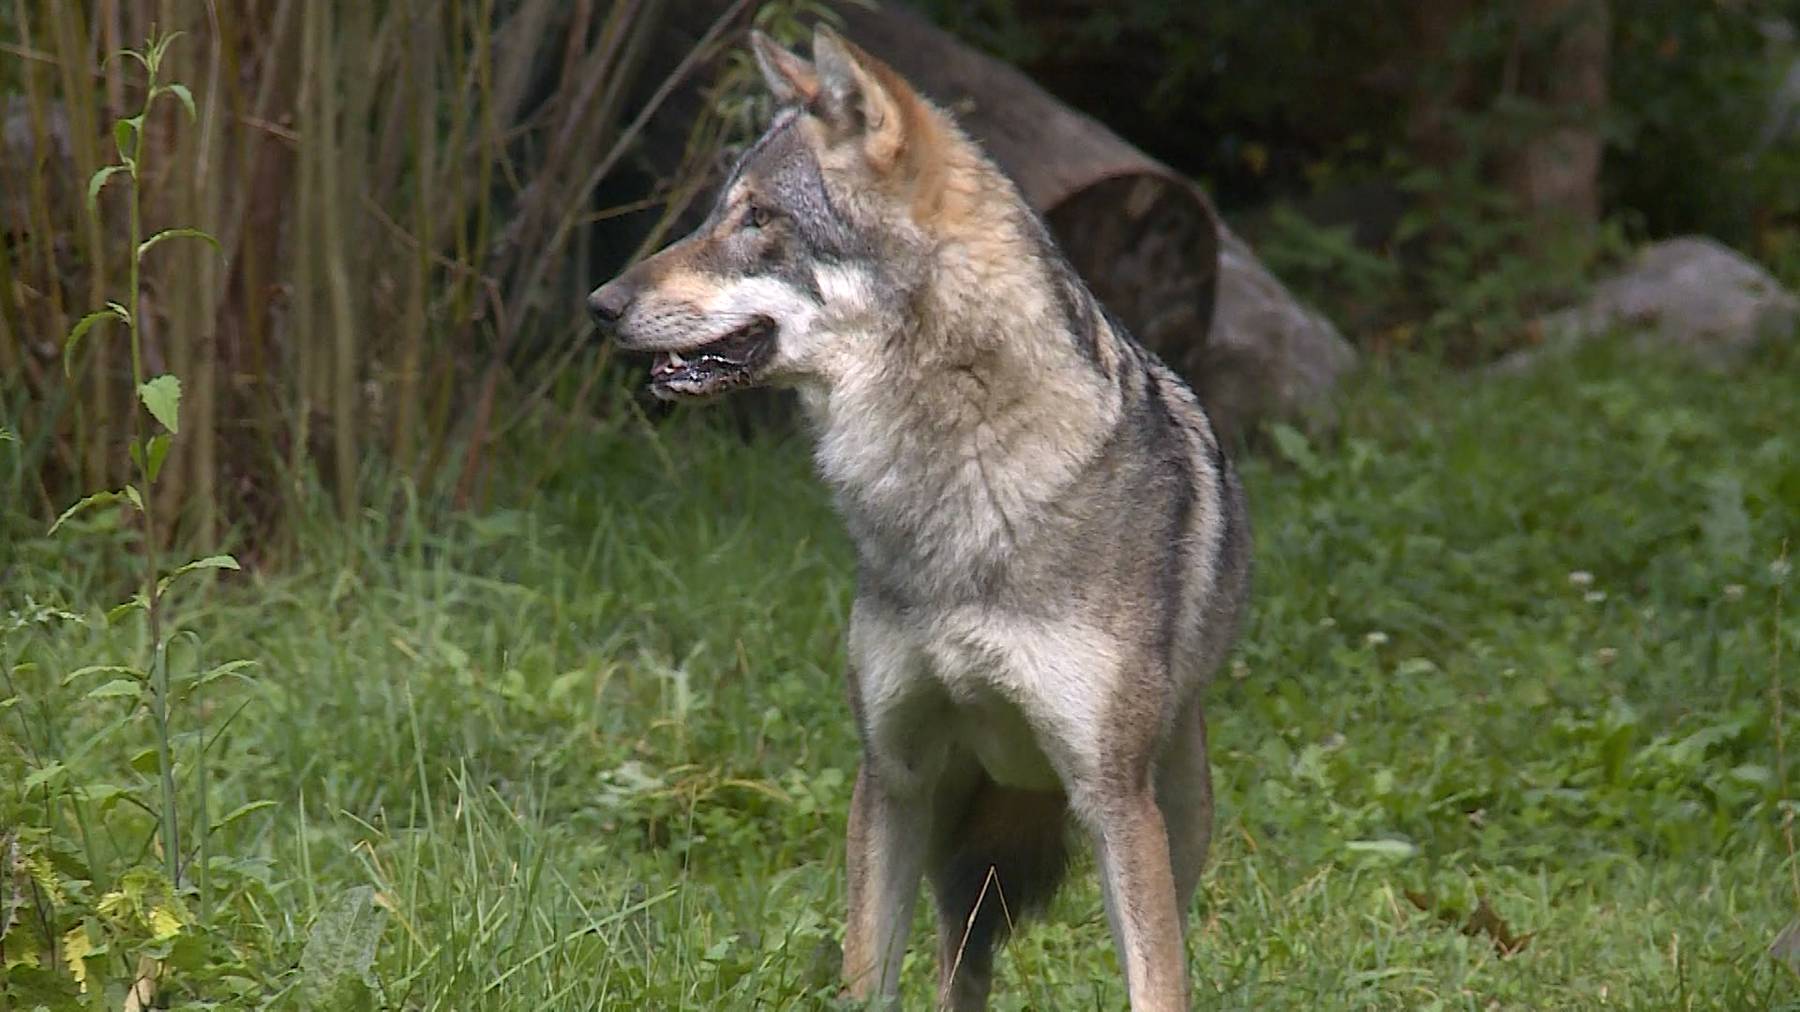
pixel 756 216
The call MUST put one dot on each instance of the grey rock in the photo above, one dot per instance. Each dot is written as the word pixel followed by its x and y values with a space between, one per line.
pixel 1268 355
pixel 1691 293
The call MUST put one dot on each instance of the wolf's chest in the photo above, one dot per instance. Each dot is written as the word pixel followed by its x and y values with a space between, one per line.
pixel 1019 694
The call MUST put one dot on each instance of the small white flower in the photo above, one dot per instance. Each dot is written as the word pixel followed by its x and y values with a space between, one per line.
pixel 1780 569
pixel 1606 655
pixel 1594 596
pixel 1376 638
pixel 1734 592
pixel 1580 579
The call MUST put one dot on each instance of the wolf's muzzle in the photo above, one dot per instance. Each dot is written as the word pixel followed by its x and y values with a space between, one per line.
pixel 609 302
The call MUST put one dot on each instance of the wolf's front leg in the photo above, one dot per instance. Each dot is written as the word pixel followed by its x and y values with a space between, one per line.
pixel 885 857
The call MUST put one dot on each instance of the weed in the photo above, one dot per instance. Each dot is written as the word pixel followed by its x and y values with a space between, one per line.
pixel 105 921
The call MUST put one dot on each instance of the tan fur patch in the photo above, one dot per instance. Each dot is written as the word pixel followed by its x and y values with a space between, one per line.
pixel 679 284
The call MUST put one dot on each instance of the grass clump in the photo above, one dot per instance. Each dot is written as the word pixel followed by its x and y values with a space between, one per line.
pixel 1502 732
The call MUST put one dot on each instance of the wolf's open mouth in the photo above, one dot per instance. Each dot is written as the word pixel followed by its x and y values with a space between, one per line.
pixel 723 364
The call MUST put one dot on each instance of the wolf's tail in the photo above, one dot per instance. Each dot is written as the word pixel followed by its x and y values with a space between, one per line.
pixel 1003 863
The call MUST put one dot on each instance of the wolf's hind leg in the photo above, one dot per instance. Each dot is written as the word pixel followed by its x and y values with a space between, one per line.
pixel 1184 793
pixel 1139 889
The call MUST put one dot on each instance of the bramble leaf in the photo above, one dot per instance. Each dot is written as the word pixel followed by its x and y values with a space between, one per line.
pixel 162 397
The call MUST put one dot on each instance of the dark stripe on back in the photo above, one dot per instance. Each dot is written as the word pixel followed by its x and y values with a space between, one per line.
pixel 1169 448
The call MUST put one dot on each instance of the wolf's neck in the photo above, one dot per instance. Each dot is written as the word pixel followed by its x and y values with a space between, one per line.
pixel 960 441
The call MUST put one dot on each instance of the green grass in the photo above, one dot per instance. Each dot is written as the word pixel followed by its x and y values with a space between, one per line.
pixel 594 753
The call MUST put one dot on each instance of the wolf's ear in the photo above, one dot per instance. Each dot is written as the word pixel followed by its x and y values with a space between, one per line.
pixel 860 97
pixel 791 80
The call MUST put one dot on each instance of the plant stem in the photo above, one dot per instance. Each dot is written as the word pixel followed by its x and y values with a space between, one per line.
pixel 159 658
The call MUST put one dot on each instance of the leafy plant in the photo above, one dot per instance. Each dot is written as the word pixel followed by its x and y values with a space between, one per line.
pixel 137 912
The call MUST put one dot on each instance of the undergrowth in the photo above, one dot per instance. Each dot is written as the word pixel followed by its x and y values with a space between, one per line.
pixel 1502 733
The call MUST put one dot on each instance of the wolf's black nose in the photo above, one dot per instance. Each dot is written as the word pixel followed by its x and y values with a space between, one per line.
pixel 608 302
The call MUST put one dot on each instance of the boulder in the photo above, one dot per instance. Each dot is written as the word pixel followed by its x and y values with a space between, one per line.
pixel 1692 293
pixel 1268 354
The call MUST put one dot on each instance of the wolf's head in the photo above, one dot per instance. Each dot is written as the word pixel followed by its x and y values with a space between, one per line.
pixel 818 240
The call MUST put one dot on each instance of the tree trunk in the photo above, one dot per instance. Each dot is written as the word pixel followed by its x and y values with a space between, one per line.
pixel 1561 67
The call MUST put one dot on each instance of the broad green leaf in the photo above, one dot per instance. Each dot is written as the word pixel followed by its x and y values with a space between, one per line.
pixel 176 233
pixel 98 180
pixel 97 499
pixel 43 775
pixel 210 562
pixel 81 327
pixel 162 396
pixel 159 449
pixel 114 689
pixel 102 669
pixel 123 131
pixel 137 500
pixel 340 949
pixel 187 99
pixel 7 435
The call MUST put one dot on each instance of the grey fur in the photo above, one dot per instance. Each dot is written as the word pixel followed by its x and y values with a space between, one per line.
pixel 1053 549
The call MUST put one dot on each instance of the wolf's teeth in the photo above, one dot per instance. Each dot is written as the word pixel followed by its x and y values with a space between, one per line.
pixel 676 360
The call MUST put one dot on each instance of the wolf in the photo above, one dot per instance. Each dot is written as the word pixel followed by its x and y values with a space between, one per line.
pixel 1052 547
